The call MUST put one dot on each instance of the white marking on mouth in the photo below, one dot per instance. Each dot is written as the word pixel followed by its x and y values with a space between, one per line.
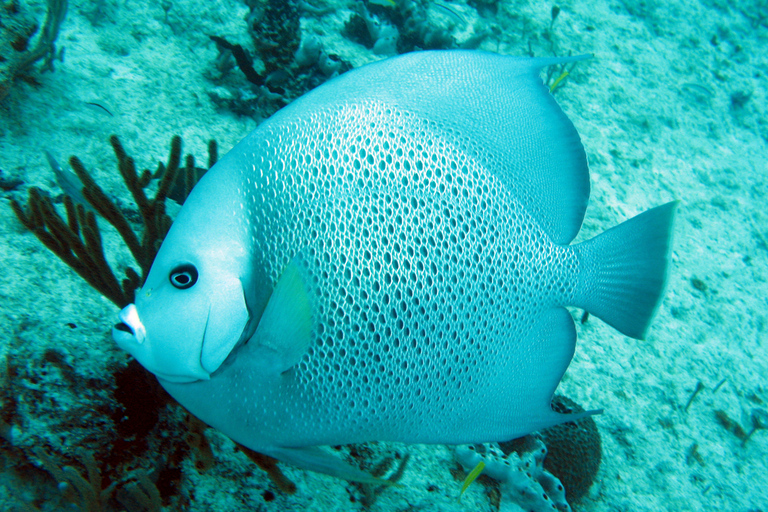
pixel 130 317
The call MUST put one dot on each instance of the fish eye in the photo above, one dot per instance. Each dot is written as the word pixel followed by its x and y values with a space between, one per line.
pixel 183 276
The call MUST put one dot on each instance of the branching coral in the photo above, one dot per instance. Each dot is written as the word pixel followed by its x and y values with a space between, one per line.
pixel 16 55
pixel 136 493
pixel 269 465
pixel 77 241
pixel 85 491
pixel 285 64
pixel 73 427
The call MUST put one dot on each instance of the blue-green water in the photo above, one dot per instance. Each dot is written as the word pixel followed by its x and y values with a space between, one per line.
pixel 672 106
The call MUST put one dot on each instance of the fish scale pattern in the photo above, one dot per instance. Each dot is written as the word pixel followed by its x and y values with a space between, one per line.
pixel 423 270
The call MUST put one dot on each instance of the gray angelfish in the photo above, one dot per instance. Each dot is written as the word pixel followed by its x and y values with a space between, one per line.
pixel 388 258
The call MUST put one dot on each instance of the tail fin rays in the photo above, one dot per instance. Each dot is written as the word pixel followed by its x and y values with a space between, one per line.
pixel 626 271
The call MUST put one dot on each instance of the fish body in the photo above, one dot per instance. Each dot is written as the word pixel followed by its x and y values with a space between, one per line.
pixel 389 258
pixel 68 182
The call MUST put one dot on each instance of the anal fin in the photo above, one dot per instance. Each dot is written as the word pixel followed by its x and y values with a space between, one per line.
pixel 316 459
pixel 553 341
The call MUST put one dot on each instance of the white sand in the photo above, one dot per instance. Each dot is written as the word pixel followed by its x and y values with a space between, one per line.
pixel 655 114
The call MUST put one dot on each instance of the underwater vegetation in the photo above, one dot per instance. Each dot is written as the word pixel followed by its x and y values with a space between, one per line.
pixel 23 42
pixel 285 61
pixel 291 62
pixel 130 407
pixel 132 461
pixel 77 241
pixel 573 449
pixel 550 469
pixel 285 70
pixel 74 441
pixel 138 465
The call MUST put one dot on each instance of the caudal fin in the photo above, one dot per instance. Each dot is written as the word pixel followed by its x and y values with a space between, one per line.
pixel 625 270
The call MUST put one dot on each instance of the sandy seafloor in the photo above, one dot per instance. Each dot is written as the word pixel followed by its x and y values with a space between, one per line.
pixel 656 112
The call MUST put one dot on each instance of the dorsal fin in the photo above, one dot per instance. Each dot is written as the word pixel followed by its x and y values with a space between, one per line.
pixel 500 106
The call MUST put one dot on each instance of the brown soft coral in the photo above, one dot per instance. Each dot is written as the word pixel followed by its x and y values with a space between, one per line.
pixel 19 49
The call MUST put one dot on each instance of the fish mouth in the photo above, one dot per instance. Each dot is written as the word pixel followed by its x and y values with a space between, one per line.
pixel 124 336
pixel 123 327
pixel 130 323
pixel 130 334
